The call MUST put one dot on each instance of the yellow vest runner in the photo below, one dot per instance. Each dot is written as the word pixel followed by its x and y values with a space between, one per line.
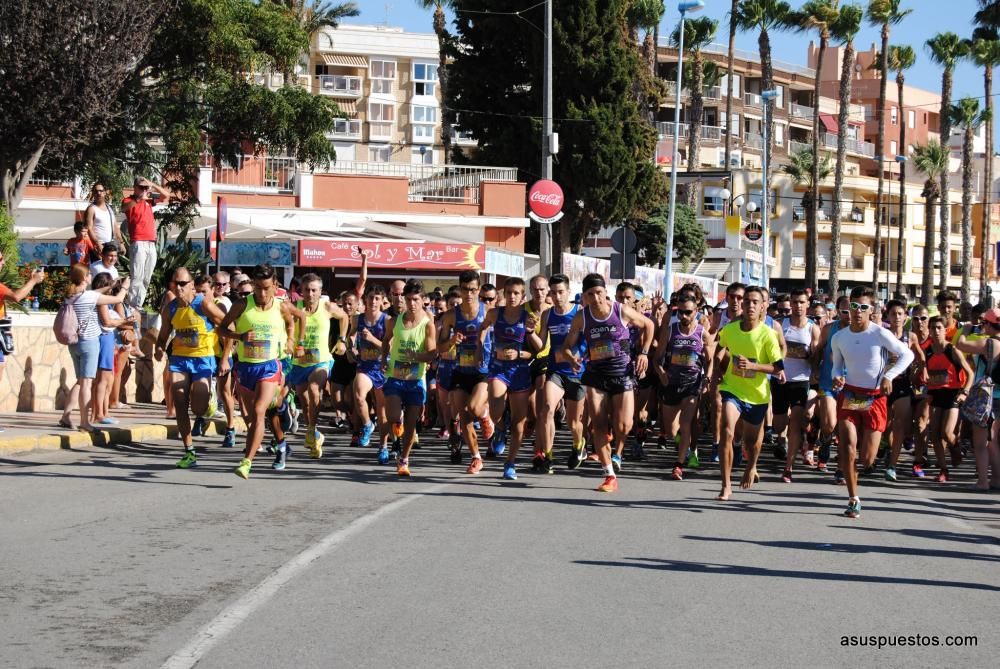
pixel 194 334
pixel 316 337
pixel 268 329
pixel 406 343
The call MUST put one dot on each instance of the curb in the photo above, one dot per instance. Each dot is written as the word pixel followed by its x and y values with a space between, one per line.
pixel 104 437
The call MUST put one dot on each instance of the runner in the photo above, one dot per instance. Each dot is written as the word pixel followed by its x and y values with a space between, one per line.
pixel 537 306
pixel 610 375
pixel 264 328
pixel 919 319
pixel 225 387
pixel 193 320
pixel 748 351
pixel 732 310
pixel 947 303
pixel 468 395
pixel 790 399
pixel 509 377
pixel 687 349
pixel 949 379
pixel 863 381
pixel 368 332
pixel 827 399
pixel 445 368
pixel 408 346
pixel 901 398
pixel 562 383
pixel 985 439
pixel 312 361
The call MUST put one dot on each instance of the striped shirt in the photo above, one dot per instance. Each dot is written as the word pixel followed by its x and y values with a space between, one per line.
pixel 85 307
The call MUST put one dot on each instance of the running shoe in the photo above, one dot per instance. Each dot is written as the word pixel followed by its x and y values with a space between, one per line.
pixel 229 441
pixel 786 476
pixel 616 463
pixel 403 469
pixel 549 466
pixel 384 456
pixel 692 460
pixel 270 446
pixel 890 474
pixel 661 442
pixel 853 509
pixel 610 484
pixel 293 415
pixel 509 472
pixel 488 427
pixel 499 445
pixel 715 453
pixel 809 457
pixel 198 429
pixel 281 456
pixel 821 466
pixel 538 463
pixel 190 459
pixel 243 469
pixel 397 430
pixel 908 444
pixel 443 433
pixel 576 458
pixel 366 434
pixel 456 453
pixel 942 476
pixel 317 447
pixel 475 466
pixel 918 471
pixel 678 473
pixel 838 478
pixel 780 450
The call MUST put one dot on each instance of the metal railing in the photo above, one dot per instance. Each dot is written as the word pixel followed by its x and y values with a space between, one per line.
pixel 752 99
pixel 800 111
pixel 853 145
pixel 752 140
pixel 715 227
pixel 432 183
pixel 796 147
pixel 666 129
pixel 37 180
pixel 711 132
pixel 255 174
pixel 340 85
pixel 712 93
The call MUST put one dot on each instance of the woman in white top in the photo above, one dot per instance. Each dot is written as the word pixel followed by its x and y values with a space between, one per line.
pixel 86 351
pixel 100 219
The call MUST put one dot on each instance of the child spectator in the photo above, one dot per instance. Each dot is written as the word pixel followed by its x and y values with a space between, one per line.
pixel 80 248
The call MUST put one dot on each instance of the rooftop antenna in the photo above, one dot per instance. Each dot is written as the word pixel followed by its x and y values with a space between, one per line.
pixel 388 9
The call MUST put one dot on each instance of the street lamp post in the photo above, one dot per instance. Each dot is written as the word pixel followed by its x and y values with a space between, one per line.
pixel 668 264
pixel 765 98
pixel 545 229
pixel 751 208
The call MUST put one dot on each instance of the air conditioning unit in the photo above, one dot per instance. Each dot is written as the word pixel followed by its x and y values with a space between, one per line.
pixel 735 158
pixel 720 156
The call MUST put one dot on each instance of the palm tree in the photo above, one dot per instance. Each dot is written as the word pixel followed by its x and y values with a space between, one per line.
pixel 967 115
pixel 803 170
pixel 763 16
pixel 932 160
pixel 314 15
pixel 882 13
pixel 441 30
pixel 698 33
pixel 985 51
pixel 901 57
pixel 730 59
pixel 818 15
pixel 945 49
pixel 845 29
pixel 646 14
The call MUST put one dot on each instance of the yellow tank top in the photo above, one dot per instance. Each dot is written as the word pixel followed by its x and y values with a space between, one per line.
pixel 268 329
pixel 316 348
pixel 544 353
pixel 194 334
pixel 405 343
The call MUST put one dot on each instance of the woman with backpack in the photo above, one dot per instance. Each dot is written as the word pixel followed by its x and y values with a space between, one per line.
pixel 985 437
pixel 949 379
pixel 86 349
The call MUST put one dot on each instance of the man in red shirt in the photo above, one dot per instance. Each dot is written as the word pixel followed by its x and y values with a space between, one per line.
pixel 138 209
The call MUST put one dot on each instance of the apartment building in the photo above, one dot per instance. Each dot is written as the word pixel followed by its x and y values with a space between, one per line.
pixel 731 255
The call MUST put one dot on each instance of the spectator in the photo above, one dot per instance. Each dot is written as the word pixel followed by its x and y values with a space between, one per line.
pixel 99 219
pixel 109 320
pixel 86 351
pixel 109 258
pixel 138 210
pixel 126 346
pixel 81 247
pixel 16 296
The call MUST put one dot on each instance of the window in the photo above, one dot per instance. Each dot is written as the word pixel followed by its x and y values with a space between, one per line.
pixel 425 78
pixel 346 151
pixel 424 120
pixel 713 202
pixel 894 115
pixel 779 134
pixel 380 119
pixel 379 154
pixel 892 148
pixel 383 75
pixel 869 112
pixel 755 196
pixel 911 119
pixel 425 157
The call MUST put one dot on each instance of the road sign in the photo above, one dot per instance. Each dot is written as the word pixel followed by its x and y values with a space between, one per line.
pixel 545 200
pixel 753 231
pixel 623 240
pixel 622 266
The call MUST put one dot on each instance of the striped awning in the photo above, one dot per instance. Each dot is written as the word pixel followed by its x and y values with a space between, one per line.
pixel 348 108
pixel 344 60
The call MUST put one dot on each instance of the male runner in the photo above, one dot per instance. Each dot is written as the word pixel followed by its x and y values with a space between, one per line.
pixel 192 319
pixel 827 399
pixel 408 346
pixel 264 329
pixel 445 368
pixel 537 306
pixel 369 330
pixel 860 373
pixel 789 400
pixel 509 377
pixel 312 361
pixel 748 351
pixel 224 383
pixel 732 311
pixel 610 376
pixel 900 401
pixel 562 383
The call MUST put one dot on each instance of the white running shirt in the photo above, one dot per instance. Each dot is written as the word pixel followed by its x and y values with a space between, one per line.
pixel 862 356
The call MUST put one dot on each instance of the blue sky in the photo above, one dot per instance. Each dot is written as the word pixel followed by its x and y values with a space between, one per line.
pixel 928 18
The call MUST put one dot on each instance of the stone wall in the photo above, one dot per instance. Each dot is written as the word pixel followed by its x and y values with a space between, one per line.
pixel 38 376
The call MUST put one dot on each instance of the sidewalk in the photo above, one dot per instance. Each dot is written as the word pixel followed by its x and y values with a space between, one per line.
pixel 138 423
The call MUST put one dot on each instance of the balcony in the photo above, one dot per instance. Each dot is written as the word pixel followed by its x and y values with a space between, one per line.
pixel 752 99
pixel 340 86
pixel 671 89
pixel 800 111
pixel 432 183
pixel 711 132
pixel 715 227
pixel 254 174
pixel 752 140
pixel 797 147
pixel 855 146
pixel 346 128
pixel 666 129
pixel 712 93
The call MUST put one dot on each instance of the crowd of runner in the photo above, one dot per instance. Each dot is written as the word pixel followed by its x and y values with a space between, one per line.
pixel 845 388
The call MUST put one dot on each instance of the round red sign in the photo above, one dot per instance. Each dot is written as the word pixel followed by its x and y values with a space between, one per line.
pixel 545 199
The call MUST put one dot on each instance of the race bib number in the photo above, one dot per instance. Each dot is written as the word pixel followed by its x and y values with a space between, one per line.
pixel 259 349
pixel 797 350
pixel 603 350
pixel 405 371
pixel 310 356
pixel 683 359
pixel 186 338
pixel 466 358
pixel 938 377
pixel 857 402
pixel 370 353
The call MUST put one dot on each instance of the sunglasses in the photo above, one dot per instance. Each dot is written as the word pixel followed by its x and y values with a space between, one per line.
pixel 783 312
pixel 218 283
pixel 921 318
pixel 181 284
pixel 857 306
pixel 845 312
pixel 489 299
pixel 684 312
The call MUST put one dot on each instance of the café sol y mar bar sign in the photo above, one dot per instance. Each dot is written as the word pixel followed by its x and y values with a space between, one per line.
pixel 403 255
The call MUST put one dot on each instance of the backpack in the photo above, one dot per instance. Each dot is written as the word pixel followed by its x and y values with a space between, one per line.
pixel 978 406
pixel 67 324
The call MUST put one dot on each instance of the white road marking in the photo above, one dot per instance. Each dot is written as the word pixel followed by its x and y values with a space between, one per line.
pixel 233 616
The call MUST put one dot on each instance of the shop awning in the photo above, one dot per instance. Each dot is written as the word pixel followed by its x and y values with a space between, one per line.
pixel 829 122
pixel 343 60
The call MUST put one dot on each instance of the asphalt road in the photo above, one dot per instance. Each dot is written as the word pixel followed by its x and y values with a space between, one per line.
pixel 112 557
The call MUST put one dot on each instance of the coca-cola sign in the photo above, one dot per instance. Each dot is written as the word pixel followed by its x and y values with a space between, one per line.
pixel 545 200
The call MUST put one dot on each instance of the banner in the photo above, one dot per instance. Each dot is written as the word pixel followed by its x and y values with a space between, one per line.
pixel 404 255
